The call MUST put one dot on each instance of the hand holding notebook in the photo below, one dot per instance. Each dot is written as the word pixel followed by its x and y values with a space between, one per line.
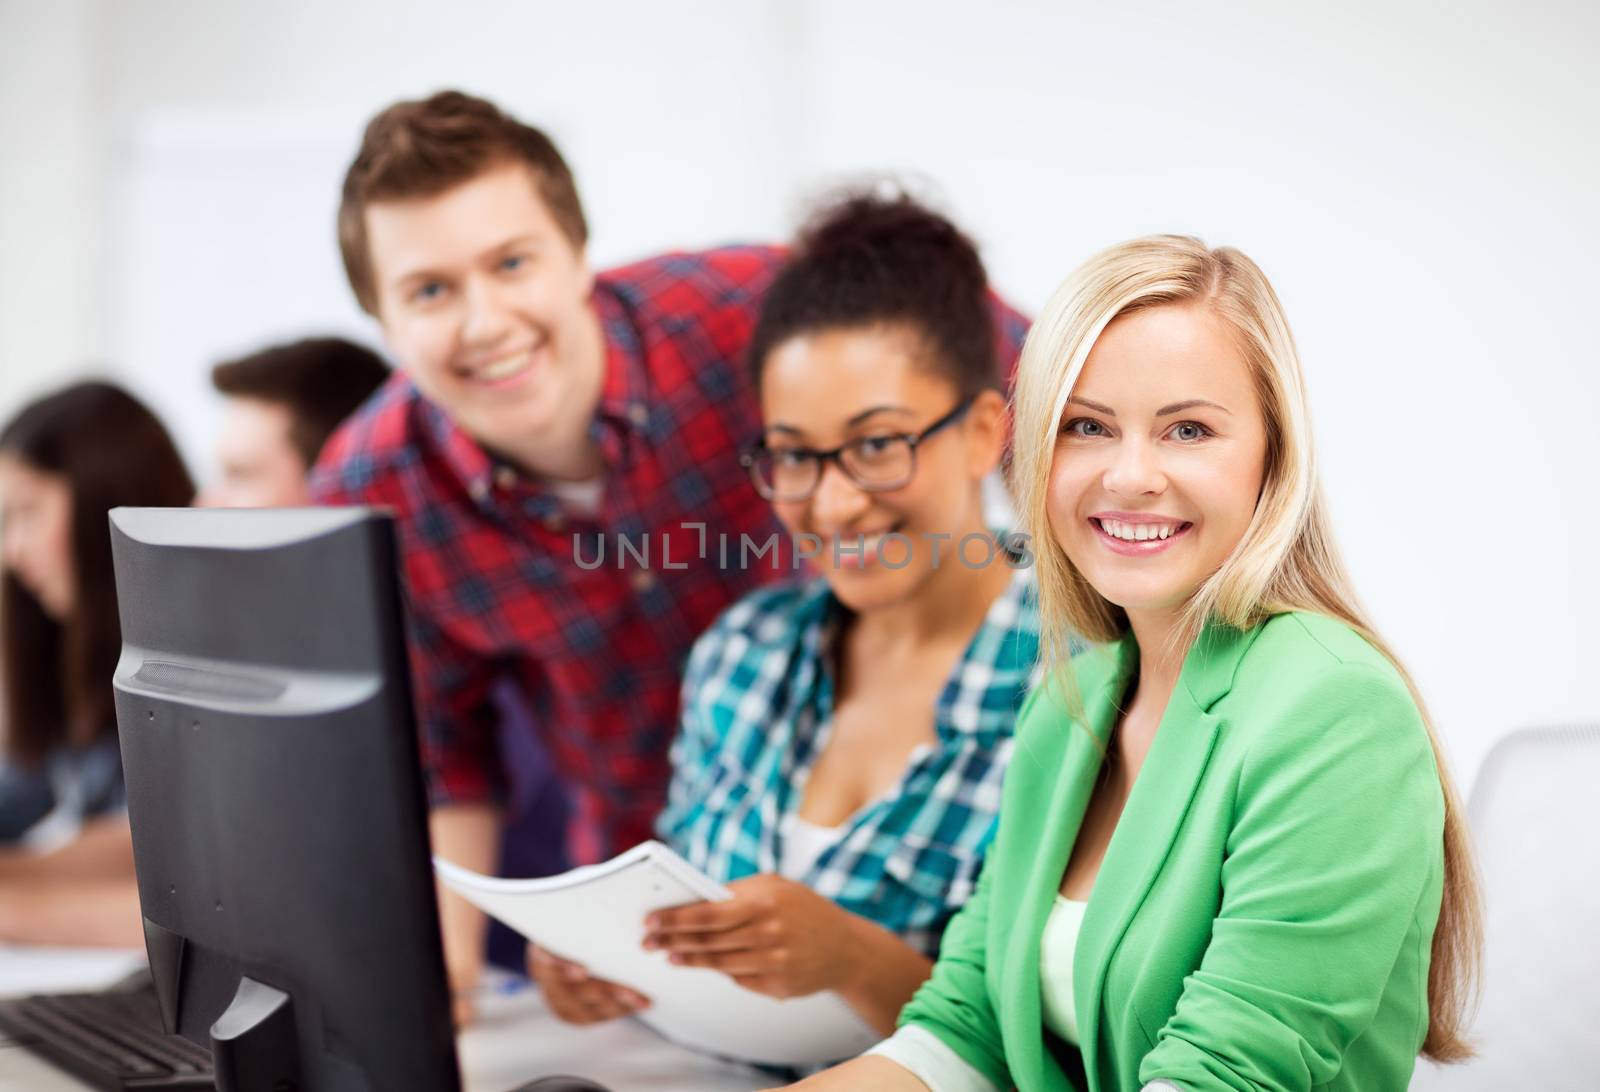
pixel 595 916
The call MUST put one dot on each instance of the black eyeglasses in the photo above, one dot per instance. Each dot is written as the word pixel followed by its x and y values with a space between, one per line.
pixel 876 464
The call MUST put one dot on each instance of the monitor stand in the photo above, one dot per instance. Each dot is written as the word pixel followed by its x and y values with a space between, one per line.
pixel 254 1046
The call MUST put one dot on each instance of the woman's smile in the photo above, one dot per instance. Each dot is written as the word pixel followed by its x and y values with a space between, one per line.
pixel 1134 535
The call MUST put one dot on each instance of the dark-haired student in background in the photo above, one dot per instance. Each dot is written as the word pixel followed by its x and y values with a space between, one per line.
pixel 282 404
pixel 843 737
pixel 66 857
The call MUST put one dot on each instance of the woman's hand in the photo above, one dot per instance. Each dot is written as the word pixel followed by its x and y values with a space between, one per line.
pixel 577 997
pixel 774 936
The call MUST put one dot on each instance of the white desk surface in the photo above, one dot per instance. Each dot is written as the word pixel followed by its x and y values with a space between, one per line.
pixel 514 1039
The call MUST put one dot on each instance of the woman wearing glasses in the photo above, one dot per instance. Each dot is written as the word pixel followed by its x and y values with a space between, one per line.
pixel 844 735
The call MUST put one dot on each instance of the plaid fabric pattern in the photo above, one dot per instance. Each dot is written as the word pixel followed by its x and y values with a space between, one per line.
pixel 492 585
pixel 758 701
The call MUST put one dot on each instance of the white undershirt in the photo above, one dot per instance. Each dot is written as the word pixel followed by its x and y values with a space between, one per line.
pixel 1057 952
pixel 803 844
pixel 582 498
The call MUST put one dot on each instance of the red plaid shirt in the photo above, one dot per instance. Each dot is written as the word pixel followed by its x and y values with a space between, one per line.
pixel 500 575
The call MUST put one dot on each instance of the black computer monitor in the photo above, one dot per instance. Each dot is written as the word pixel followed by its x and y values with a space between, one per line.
pixel 276 800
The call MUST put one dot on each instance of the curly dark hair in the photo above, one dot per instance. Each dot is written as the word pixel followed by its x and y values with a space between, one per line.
pixel 868 259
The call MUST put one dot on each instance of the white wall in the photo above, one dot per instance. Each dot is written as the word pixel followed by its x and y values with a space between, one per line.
pixel 1420 185
pixel 231 126
pixel 52 227
pixel 1417 181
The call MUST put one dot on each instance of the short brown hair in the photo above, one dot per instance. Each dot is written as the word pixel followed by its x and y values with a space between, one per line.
pixel 320 381
pixel 422 148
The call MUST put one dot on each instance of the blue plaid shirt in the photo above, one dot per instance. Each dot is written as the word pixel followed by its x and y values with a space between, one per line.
pixel 757 703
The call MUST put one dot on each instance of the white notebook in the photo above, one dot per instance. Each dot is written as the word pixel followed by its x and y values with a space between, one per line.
pixel 595 916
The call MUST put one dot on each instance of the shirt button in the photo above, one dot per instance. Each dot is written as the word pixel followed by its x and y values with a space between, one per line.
pixel 643 580
pixel 555 521
pixel 639 414
pixel 479 488
pixel 505 477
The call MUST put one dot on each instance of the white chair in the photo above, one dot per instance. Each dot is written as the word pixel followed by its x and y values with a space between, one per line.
pixel 1535 817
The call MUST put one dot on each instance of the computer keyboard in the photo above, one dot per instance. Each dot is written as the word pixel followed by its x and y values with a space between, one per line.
pixel 110 1040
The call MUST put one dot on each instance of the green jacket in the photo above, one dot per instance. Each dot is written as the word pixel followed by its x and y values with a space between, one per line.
pixel 1264 913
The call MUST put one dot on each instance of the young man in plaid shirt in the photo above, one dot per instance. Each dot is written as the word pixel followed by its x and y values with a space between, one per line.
pixel 541 413
pixel 538 407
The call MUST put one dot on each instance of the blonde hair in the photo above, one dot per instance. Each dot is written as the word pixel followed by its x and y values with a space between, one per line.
pixel 1287 559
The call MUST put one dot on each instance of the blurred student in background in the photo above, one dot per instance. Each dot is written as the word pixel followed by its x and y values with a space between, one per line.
pixel 283 403
pixel 66 858
pixel 843 736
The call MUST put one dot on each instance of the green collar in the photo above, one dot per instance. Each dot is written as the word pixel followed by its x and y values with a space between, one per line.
pixel 1208 666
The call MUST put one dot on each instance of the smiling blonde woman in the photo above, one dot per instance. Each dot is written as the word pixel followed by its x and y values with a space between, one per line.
pixel 1229 855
